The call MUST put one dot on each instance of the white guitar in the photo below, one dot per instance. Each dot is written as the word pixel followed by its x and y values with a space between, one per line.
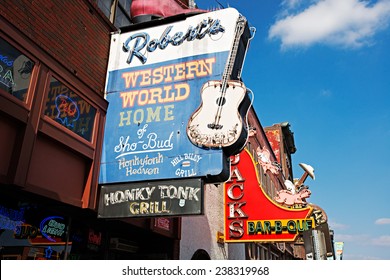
pixel 218 122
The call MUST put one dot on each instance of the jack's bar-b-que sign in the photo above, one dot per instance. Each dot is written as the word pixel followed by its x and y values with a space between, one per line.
pixel 151 199
pixel 251 216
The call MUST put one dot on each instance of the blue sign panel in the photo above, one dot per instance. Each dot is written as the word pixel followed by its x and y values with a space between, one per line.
pixel 153 86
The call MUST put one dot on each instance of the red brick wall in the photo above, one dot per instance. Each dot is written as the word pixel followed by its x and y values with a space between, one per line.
pixel 73 32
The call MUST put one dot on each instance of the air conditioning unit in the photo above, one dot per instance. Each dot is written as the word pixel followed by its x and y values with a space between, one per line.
pixel 120 244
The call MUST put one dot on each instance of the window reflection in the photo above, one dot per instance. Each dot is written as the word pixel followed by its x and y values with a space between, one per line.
pixel 118 12
pixel 68 109
pixel 15 71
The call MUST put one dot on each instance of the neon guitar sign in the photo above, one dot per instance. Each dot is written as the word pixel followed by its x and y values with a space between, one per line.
pixel 218 122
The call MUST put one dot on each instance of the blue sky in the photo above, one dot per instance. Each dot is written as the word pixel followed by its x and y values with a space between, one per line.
pixel 324 67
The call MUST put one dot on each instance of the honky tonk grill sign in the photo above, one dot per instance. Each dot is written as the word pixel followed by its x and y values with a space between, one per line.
pixel 152 199
pixel 250 215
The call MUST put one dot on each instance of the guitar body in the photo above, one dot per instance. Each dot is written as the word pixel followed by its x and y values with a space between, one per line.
pixel 219 120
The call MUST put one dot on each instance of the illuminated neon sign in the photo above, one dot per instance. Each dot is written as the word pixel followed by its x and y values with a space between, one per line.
pixel 10 218
pixel 50 227
pixel 68 111
pixel 6 76
pixel 250 215
pixel 6 60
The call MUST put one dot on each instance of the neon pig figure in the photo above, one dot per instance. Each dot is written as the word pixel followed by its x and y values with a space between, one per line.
pixel 68 112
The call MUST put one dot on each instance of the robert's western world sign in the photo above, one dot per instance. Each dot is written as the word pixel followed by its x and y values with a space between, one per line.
pixel 153 86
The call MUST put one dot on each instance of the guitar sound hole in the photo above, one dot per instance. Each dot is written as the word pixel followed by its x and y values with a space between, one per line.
pixel 221 101
pixel 214 126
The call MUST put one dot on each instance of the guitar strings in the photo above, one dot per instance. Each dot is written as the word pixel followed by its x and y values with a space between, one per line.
pixel 225 83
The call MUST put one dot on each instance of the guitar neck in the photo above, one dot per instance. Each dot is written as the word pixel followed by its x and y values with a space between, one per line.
pixel 240 26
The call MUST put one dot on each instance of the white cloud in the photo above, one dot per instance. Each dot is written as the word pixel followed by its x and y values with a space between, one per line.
pixel 347 23
pixel 383 221
pixel 291 4
pixel 363 239
pixel 348 256
pixel 383 240
pixel 351 238
pixel 336 226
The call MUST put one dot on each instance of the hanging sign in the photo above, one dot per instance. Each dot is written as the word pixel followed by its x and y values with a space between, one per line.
pixel 154 81
pixel 152 199
pixel 250 215
pixel 273 136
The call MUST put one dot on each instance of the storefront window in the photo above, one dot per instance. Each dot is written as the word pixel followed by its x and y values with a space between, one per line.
pixel 30 232
pixel 15 71
pixel 70 110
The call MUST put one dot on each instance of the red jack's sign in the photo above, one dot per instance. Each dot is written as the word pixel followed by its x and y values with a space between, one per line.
pixel 250 215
